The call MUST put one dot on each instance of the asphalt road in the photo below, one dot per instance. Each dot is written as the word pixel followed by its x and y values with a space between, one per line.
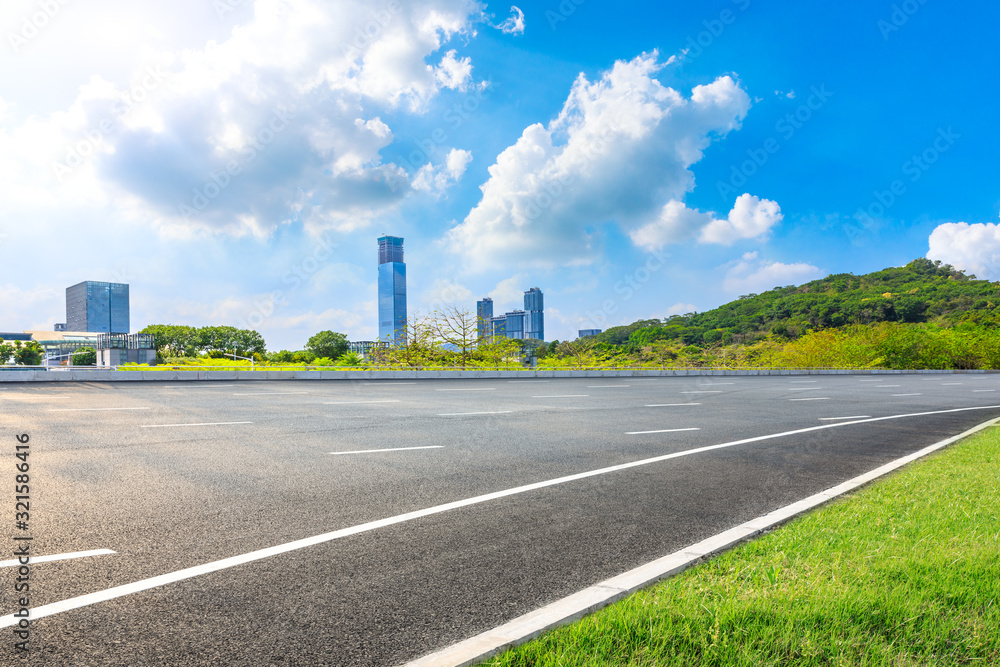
pixel 177 475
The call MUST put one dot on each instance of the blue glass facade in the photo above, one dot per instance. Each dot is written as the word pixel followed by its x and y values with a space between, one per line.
pixel 484 313
pixel 391 290
pixel 97 307
pixel 534 305
pixel 515 324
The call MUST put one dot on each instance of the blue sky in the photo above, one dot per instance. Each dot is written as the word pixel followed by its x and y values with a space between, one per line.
pixel 235 160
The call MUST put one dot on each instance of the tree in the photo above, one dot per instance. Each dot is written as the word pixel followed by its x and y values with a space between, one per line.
pixel 499 351
pixel 28 354
pixel 85 356
pixel 173 340
pixel 329 344
pixel 458 330
pixel 6 352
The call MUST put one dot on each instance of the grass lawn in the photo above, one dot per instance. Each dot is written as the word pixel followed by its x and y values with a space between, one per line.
pixel 903 572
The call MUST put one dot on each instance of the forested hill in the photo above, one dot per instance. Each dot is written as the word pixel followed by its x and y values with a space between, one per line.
pixel 921 291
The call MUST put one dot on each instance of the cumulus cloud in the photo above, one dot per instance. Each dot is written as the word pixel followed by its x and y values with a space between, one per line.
pixel 972 248
pixel 751 275
pixel 437 179
pixel 619 151
pixel 514 25
pixel 682 309
pixel 750 218
pixel 276 123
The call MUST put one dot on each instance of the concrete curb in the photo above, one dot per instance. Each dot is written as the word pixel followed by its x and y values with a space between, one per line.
pixel 193 376
pixel 574 607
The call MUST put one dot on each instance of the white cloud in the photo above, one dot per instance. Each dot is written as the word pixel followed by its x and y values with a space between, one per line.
pixel 751 275
pixel 619 151
pixel 437 179
pixel 514 25
pixel 508 294
pixel 682 309
pixel 447 293
pixel 972 248
pixel 270 125
pixel 751 217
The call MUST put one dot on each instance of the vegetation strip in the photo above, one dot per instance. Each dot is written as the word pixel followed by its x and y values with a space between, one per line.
pixel 905 572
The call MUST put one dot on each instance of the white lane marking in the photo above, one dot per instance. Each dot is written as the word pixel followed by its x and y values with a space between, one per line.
pixel 565 396
pixel 225 563
pixel 666 430
pixel 376 384
pixel 92 409
pixel 522 381
pixel 208 386
pixel 907 394
pixel 670 405
pixel 950 384
pixel 606 386
pixel 477 649
pixel 55 557
pixel 388 400
pixel 374 451
pixel 202 424
pixel 803 381
pixel 826 419
pixel 717 391
pixel 717 384
pixel 811 398
pixel 979 391
pixel 470 389
pixel 460 414
pixel 871 380
pixel 275 393
pixel 804 388
pixel 30 398
pixel 887 386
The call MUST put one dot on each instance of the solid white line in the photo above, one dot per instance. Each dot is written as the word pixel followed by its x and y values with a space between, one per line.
pixel 718 391
pixel 50 559
pixel 214 566
pixel 666 430
pixel 907 394
pixel 30 398
pixel 887 386
pixel 460 414
pixel 606 386
pixel 275 393
pixel 359 402
pixel 528 381
pixel 208 386
pixel 950 384
pixel 871 380
pixel 718 384
pixel 481 647
pixel 979 391
pixel 670 405
pixel 92 409
pixel 804 388
pixel 381 383
pixel 374 451
pixel 565 396
pixel 203 424
pixel 825 419
pixel 811 398
pixel 470 389
pixel 803 381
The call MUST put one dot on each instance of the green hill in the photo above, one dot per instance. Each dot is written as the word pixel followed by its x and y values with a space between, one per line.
pixel 921 291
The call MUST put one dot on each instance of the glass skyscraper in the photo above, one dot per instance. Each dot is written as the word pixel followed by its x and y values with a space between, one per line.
pixel 97 307
pixel 534 319
pixel 484 313
pixel 391 290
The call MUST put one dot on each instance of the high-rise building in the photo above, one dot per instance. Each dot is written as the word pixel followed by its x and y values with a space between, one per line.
pixel 484 313
pixel 585 333
pixel 391 290
pixel 97 307
pixel 534 320
pixel 515 324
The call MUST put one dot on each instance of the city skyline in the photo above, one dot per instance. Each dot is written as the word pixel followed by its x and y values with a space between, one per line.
pixel 638 162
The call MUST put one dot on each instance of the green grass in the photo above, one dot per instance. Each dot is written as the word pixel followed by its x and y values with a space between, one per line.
pixel 903 572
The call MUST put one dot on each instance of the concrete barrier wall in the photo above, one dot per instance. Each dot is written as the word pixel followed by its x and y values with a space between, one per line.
pixel 161 376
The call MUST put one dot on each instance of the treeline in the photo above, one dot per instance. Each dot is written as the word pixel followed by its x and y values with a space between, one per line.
pixel 920 292
pixel 890 345
pixel 185 344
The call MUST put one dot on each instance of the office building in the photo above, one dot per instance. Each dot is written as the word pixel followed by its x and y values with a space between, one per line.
pixel 517 324
pixel 534 320
pixel 484 313
pixel 584 333
pixel 391 290
pixel 97 307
